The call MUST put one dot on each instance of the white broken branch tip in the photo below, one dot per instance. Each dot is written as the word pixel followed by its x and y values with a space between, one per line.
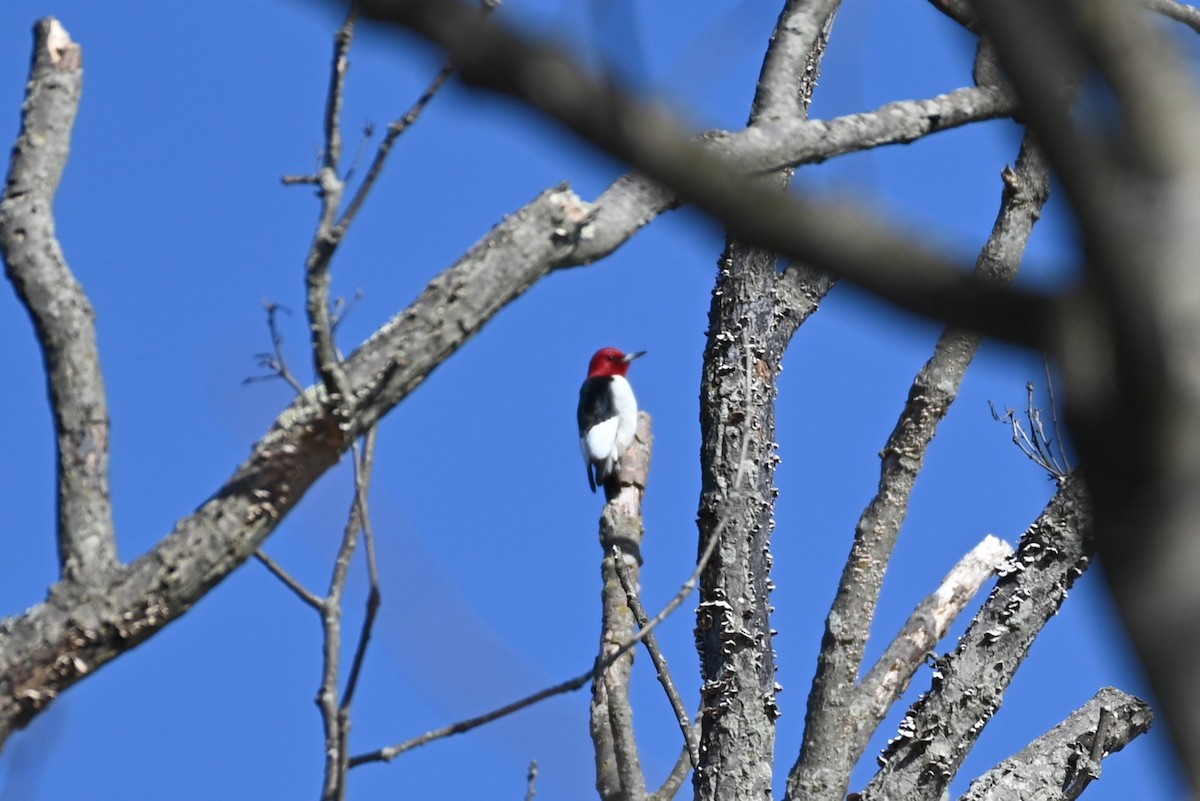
pixel 992 550
pixel 64 53
pixel 975 567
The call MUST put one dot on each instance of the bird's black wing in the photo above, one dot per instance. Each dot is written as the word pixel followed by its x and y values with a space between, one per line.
pixel 595 403
pixel 595 406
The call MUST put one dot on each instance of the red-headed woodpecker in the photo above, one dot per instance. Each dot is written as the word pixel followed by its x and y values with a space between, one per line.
pixel 607 414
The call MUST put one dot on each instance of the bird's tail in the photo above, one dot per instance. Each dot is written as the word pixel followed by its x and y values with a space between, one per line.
pixel 605 476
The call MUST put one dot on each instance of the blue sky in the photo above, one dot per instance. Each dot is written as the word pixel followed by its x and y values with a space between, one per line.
pixel 173 217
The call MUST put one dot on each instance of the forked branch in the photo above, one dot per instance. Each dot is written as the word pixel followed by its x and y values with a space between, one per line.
pixel 335 713
pixel 832 744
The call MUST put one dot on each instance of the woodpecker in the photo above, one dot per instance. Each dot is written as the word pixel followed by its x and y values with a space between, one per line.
pixel 607 414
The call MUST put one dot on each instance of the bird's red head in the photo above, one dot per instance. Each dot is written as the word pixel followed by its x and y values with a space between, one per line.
pixel 611 361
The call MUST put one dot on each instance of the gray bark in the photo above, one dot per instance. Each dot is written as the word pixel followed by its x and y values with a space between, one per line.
pixel 969 684
pixel 733 630
pixel 619 774
pixel 1059 764
pixel 748 332
pixel 61 312
pixel 838 726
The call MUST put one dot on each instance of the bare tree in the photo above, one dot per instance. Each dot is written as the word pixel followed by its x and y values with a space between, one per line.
pixel 1122 340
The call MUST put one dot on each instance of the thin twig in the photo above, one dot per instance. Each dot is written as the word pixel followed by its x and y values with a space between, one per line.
pixel 394 131
pixel 337 90
pixel 302 592
pixel 276 361
pixel 332 719
pixel 335 715
pixel 368 131
pixel 1034 443
pixel 1058 434
pixel 342 309
pixel 656 656
pixel 363 465
pixel 389 753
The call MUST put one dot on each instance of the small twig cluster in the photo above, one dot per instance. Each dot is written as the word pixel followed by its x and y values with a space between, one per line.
pixel 1030 436
pixel 274 362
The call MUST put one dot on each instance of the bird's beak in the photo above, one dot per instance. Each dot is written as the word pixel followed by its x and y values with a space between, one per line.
pixel 633 356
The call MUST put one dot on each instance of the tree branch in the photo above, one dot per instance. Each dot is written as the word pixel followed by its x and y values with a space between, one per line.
pixel 774 144
pixel 619 774
pixel 61 312
pixel 335 714
pixel 629 587
pixel 364 459
pixel 743 355
pixel 1133 178
pixel 674 781
pixel 926 626
pixel 390 752
pixel 1189 15
pixel 1052 762
pixel 275 362
pixel 832 742
pixel 792 63
pixel 306 596
pixel 843 243
pixel 969 685
pixel 326 358
pixel 55 643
